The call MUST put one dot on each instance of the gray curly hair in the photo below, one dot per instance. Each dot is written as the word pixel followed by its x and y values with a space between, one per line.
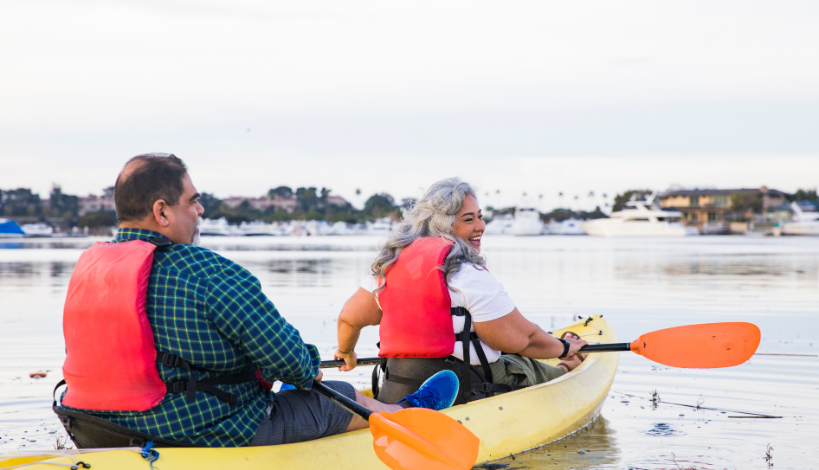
pixel 431 216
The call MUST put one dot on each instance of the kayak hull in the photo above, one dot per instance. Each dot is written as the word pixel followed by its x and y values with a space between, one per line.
pixel 506 424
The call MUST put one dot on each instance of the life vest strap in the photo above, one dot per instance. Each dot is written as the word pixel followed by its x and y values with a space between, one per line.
pixel 192 385
pixel 467 388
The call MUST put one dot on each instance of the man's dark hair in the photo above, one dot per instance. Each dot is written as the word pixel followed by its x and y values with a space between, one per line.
pixel 157 176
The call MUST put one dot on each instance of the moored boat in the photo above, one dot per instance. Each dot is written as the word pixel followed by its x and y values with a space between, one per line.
pixel 565 227
pixel 10 229
pixel 640 219
pixel 527 222
pixel 506 424
pixel 803 223
pixel 39 230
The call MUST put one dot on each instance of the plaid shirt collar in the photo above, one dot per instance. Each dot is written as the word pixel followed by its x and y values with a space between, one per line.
pixel 130 234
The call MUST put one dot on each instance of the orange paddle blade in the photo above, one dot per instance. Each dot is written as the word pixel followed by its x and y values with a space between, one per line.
pixel 421 439
pixel 705 346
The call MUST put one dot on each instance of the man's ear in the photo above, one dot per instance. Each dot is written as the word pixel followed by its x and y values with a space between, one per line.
pixel 159 213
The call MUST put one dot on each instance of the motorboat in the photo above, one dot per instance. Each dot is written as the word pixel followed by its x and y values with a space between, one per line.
pixel 258 228
pixel 215 228
pixel 565 227
pixel 317 227
pixel 802 222
pixel 39 230
pixel 10 229
pixel 640 219
pixel 500 225
pixel 380 227
pixel 340 228
pixel 527 222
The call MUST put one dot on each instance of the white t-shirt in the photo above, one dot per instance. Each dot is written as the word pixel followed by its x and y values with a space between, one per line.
pixel 477 291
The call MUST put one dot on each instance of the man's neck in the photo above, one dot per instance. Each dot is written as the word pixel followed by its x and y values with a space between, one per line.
pixel 142 226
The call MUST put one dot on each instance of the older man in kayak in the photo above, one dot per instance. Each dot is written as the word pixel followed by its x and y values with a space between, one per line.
pixel 165 340
pixel 439 308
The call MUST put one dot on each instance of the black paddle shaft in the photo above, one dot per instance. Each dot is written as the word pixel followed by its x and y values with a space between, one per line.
pixel 364 361
pixel 611 347
pixel 342 401
pixel 370 361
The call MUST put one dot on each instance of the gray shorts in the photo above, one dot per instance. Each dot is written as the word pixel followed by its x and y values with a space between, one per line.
pixel 302 415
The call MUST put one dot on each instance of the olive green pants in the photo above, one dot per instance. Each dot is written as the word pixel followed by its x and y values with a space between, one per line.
pixel 510 369
pixel 519 371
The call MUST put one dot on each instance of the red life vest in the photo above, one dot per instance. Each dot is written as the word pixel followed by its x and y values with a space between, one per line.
pixel 111 358
pixel 110 362
pixel 416 320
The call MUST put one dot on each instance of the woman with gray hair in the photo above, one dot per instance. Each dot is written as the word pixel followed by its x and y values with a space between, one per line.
pixel 439 308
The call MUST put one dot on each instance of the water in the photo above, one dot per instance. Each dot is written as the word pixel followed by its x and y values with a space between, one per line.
pixel 640 285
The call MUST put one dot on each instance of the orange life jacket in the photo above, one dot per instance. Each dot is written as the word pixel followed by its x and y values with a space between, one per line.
pixel 111 358
pixel 417 320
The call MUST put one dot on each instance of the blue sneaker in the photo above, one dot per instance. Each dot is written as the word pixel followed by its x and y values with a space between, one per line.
pixel 437 393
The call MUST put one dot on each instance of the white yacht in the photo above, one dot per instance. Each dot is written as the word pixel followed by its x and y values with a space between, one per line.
pixel 258 228
pixel 565 227
pixel 527 222
pixel 802 223
pixel 381 227
pixel 215 228
pixel 39 230
pixel 340 228
pixel 639 219
pixel 500 225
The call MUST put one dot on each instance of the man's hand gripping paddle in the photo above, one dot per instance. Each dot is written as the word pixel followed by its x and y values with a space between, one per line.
pixel 414 438
pixel 705 346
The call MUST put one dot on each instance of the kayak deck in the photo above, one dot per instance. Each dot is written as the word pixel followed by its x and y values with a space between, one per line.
pixel 506 424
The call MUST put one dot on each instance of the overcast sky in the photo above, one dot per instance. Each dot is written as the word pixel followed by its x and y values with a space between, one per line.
pixel 526 96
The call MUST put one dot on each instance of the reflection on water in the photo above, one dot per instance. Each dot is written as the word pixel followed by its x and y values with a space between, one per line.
pixel 661 429
pixel 27 270
pixel 640 286
pixel 594 446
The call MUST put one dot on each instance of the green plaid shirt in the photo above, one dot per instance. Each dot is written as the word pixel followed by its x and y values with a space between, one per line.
pixel 212 312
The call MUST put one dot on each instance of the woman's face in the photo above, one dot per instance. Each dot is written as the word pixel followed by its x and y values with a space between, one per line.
pixel 469 224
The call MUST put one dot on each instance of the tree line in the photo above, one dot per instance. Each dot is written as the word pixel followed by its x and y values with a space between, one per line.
pixel 311 203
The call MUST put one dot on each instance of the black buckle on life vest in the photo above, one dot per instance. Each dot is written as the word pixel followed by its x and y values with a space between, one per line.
pixel 180 386
pixel 160 242
pixel 170 360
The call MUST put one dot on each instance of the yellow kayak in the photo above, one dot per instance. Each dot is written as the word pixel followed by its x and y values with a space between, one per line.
pixel 507 424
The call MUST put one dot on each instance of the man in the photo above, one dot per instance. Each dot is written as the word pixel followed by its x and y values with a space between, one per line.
pixel 211 326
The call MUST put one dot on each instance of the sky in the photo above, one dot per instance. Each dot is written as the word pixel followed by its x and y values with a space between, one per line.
pixel 536 97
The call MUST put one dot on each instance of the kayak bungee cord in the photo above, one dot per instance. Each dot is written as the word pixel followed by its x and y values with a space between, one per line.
pixel 147 452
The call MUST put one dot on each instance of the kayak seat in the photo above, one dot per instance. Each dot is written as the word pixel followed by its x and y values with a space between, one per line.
pixel 403 376
pixel 91 432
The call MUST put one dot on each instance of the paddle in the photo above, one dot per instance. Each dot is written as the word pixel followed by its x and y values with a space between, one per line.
pixel 413 438
pixel 704 346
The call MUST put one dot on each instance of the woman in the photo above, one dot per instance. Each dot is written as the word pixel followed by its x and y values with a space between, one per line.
pixel 428 284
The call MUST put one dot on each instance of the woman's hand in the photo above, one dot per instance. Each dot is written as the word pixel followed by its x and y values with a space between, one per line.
pixel 575 343
pixel 359 311
pixel 350 360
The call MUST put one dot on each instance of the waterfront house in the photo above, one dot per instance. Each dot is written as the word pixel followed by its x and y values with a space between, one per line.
pixel 717 206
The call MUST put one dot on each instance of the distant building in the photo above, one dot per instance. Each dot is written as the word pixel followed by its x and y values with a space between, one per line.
pixel 257 203
pixel 288 204
pixel 713 206
pixel 93 203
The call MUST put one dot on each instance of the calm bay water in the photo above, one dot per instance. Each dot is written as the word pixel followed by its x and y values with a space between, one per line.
pixel 640 285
